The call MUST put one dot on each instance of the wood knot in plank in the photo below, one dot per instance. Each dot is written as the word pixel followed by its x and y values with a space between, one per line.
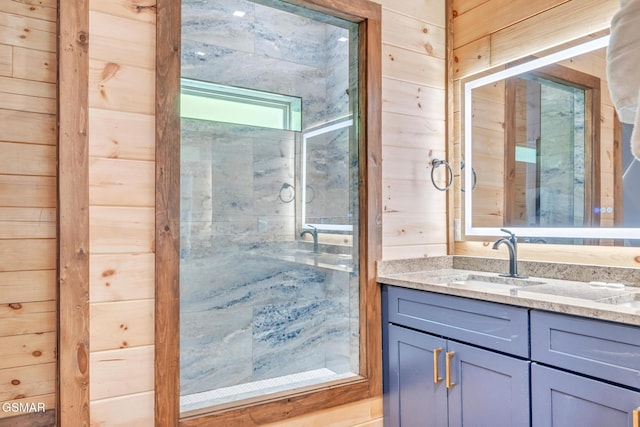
pixel 428 48
pixel 81 254
pixel 83 38
pixel 82 358
pixel 108 272
pixel 15 306
pixel 110 70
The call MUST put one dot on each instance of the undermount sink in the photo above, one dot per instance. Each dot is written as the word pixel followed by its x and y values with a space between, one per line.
pixel 626 300
pixel 489 280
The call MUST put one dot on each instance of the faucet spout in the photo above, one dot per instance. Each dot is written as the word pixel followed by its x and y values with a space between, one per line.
pixel 511 243
pixel 314 234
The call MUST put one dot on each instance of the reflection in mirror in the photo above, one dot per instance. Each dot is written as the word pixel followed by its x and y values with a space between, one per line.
pixel 325 177
pixel 548 152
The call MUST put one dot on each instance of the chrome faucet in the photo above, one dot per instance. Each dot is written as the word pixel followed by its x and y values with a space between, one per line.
pixel 314 234
pixel 512 245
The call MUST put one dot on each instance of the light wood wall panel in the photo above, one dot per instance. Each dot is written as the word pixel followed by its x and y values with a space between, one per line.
pixel 27 223
pixel 34 64
pixel 121 87
pixel 121 135
pixel 414 85
pixel 6 60
pixel 110 30
pixel 122 217
pixel 498 14
pixel 108 176
pixel 121 373
pixel 122 277
pixel 27 318
pixel 27 286
pixel 28 137
pixel 131 410
pixel 45 10
pixel 28 159
pixel 35 128
pixel 28 32
pixel 121 324
pixel 27 349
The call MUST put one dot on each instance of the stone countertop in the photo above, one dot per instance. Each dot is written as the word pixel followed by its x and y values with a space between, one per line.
pixel 563 288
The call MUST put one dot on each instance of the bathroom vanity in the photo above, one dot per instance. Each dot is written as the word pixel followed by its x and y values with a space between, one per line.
pixel 469 347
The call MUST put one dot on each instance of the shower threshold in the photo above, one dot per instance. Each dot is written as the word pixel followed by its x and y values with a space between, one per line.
pixel 195 401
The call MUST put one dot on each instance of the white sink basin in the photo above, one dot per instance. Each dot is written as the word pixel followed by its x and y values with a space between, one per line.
pixel 491 280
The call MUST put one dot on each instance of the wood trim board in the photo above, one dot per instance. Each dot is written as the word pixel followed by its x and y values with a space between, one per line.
pixel 73 213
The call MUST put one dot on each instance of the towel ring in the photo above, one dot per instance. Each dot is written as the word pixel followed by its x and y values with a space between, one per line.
pixel 287 193
pixel 436 164
pixel 475 177
pixel 311 193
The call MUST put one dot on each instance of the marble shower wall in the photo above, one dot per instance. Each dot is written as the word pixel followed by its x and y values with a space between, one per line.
pixel 245 316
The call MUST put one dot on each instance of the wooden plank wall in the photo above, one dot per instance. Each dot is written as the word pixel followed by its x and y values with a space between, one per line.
pixel 414 83
pixel 121 209
pixel 490 33
pixel 121 120
pixel 28 138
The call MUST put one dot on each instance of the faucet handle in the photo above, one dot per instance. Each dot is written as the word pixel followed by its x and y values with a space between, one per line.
pixel 504 230
pixel 512 236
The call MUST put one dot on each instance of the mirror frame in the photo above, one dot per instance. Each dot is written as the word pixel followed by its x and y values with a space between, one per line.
pixel 566 232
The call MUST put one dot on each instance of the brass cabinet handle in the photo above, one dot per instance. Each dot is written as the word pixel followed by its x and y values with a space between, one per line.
pixel 448 356
pixel 636 418
pixel 436 375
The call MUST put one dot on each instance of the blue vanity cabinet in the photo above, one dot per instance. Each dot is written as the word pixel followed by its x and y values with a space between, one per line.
pixel 416 400
pixel 435 379
pixel 560 399
pixel 592 377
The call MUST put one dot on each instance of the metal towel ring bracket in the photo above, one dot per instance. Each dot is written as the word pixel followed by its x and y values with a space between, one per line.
pixel 436 164
pixel 475 177
pixel 287 193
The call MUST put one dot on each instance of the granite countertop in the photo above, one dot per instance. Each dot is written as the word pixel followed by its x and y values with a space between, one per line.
pixel 606 293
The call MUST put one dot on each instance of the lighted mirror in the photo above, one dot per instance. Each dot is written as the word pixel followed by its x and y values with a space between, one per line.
pixel 326 177
pixel 551 162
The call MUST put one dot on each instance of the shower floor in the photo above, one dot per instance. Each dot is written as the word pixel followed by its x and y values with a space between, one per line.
pixel 219 396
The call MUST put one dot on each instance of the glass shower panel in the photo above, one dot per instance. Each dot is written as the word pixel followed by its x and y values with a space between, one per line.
pixel 550 154
pixel 261 311
pixel 561 154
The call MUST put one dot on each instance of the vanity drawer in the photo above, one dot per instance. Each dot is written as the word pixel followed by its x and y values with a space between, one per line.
pixel 495 326
pixel 592 347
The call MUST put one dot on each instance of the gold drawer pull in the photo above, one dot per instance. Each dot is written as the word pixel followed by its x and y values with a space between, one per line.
pixel 436 375
pixel 449 355
pixel 636 418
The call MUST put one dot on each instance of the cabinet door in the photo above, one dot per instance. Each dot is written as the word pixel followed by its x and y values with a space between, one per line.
pixel 561 399
pixel 490 389
pixel 415 399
